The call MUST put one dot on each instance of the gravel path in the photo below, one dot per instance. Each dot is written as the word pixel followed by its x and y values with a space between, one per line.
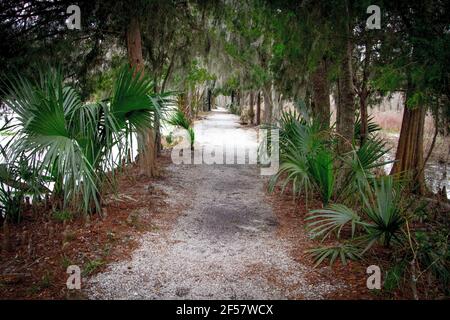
pixel 223 246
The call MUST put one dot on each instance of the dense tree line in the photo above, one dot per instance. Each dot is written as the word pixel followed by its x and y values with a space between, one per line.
pixel 282 50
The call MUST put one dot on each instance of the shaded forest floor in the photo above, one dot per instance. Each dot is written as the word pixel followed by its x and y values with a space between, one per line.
pixel 196 232
pixel 43 246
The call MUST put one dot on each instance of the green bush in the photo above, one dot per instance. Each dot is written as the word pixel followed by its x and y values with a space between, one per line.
pixel 433 254
pixel 179 119
pixel 306 159
pixel 75 139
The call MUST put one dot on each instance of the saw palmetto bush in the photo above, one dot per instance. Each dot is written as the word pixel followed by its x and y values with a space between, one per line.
pixel 72 141
pixel 385 212
pixel 18 180
pixel 379 220
pixel 358 167
pixel 367 209
pixel 372 126
pixel 306 159
pixel 179 119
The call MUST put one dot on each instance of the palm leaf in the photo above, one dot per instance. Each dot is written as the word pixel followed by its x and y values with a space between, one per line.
pixel 344 251
pixel 333 218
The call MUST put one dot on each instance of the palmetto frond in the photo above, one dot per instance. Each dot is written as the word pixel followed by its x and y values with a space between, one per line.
pixel 73 141
pixel 384 211
pixel 131 99
pixel 179 119
pixel 361 162
pixel 342 251
pixel 334 218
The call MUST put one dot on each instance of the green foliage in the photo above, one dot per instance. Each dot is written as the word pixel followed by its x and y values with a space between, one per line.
pixel 382 220
pixel 343 251
pixel 91 266
pixel 308 163
pixel 169 138
pixel 394 276
pixel 331 219
pixel 389 78
pixel 100 83
pixel 46 280
pixel 62 216
pixel 372 126
pixel 63 141
pixel 306 160
pixel 11 203
pixel 293 170
pixel 361 162
pixel 433 254
pixel 320 167
pixel 66 262
pixel 198 75
pixel 191 133
pixel 70 141
pixel 180 119
pixel 385 213
pixel 17 180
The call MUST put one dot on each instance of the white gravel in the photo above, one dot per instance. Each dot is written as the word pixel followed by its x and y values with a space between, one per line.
pixel 224 246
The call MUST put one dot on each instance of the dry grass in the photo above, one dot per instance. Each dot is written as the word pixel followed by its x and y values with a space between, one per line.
pixel 391 122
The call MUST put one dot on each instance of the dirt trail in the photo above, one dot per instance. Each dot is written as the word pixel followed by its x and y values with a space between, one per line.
pixel 224 244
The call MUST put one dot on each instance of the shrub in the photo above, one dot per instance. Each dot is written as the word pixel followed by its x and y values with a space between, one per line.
pixel 179 119
pixel 74 140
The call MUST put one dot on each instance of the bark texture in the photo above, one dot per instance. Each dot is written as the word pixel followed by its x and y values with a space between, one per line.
pixel 258 109
pixel 321 95
pixel 346 111
pixel 146 138
pixel 267 105
pixel 409 156
pixel 251 112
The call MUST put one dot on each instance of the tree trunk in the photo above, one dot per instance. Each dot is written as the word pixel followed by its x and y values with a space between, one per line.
pixel 321 95
pixel 364 93
pixel 267 106
pixel 258 109
pixel 209 99
pixel 146 138
pixel 251 111
pixel 409 155
pixel 364 128
pixel 134 46
pixel 346 110
pixel 276 104
pixel 338 100
pixel 158 142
